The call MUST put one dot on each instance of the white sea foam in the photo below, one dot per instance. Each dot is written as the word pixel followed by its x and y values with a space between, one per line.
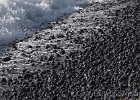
pixel 20 17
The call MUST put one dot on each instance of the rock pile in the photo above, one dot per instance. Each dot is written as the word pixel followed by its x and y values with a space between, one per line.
pixel 92 55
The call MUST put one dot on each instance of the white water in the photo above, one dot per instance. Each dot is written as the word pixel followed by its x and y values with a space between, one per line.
pixel 19 18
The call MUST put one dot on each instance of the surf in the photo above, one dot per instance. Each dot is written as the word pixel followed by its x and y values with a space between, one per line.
pixel 19 18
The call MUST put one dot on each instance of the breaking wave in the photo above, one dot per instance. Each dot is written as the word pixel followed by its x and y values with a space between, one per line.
pixel 19 18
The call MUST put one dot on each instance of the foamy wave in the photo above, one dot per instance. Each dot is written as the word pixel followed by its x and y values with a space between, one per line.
pixel 18 17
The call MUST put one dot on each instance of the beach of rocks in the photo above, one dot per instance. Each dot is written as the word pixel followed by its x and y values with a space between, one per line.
pixel 93 54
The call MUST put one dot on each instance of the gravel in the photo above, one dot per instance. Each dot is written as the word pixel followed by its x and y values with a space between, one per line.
pixel 94 54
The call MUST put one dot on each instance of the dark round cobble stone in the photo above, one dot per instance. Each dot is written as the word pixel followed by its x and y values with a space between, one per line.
pixel 63 51
pixel 3 80
pixel 60 36
pixel 27 76
pixel 54 98
pixel 51 58
pixel 6 59
pixel 43 58
pixel 29 46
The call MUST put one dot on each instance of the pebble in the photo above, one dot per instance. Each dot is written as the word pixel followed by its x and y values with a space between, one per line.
pixel 3 80
pixel 6 59
pixel 106 68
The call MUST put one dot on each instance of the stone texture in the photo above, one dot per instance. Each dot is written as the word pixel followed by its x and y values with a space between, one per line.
pixel 91 55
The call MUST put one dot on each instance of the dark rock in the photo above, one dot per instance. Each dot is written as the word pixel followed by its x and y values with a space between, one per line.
pixel 50 27
pixel 38 46
pixel 60 36
pixel 52 37
pixel 29 46
pixel 25 71
pixel 55 47
pixel 37 37
pixel 43 73
pixel 10 81
pixel 6 59
pixel 26 89
pixel 27 76
pixel 51 58
pixel 138 89
pixel 82 31
pixel 43 58
pixel 63 51
pixel 14 46
pixel 54 98
pixel 47 46
pixel 3 80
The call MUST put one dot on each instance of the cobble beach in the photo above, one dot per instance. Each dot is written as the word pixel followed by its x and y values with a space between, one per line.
pixel 92 54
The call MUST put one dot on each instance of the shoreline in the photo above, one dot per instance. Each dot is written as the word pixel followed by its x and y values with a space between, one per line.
pixel 77 57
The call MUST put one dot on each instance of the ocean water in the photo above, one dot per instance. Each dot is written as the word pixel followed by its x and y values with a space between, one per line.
pixel 19 18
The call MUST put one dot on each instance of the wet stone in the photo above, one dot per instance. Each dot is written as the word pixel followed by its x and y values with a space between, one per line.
pixel 55 47
pixel 47 46
pixel 27 76
pixel 54 98
pixel 63 51
pixel 29 46
pixel 14 46
pixel 51 58
pixel 107 67
pixel 50 27
pixel 52 37
pixel 6 59
pixel 60 36
pixel 3 80
pixel 43 58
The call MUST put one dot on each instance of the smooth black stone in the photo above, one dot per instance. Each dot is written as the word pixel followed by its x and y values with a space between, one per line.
pixel 52 37
pixel 3 80
pixel 63 51
pixel 47 46
pixel 60 36
pixel 27 76
pixel 51 58
pixel 54 98
pixel 29 46
pixel 55 47
pixel 6 59
pixel 43 58
pixel 14 46
pixel 50 27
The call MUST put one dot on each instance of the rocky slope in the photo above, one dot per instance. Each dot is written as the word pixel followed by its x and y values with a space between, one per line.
pixel 94 54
